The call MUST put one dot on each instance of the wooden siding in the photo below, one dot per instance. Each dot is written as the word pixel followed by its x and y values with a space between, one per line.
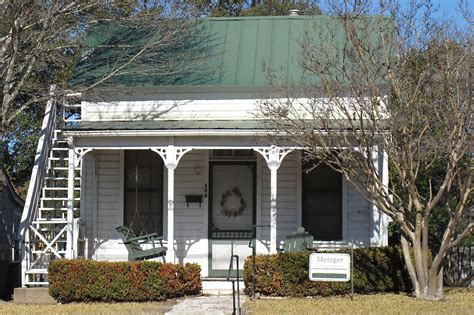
pixel 358 216
pixel 109 212
pixel 190 106
pixel 228 108
pixel 191 221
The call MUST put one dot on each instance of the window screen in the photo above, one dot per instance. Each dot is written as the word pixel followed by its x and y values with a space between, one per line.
pixel 143 207
pixel 322 202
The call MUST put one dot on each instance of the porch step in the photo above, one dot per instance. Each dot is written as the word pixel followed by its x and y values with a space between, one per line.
pixel 50 221
pixel 53 158
pixel 33 295
pixel 37 271
pixel 55 209
pixel 219 287
pixel 57 198
pixel 63 252
pixel 59 188
pixel 218 279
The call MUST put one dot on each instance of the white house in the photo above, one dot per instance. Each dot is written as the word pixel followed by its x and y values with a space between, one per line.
pixel 191 157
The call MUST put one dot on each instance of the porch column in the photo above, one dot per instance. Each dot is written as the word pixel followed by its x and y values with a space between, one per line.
pixel 70 204
pixel 379 219
pixel 171 156
pixel 385 181
pixel 273 156
pixel 170 222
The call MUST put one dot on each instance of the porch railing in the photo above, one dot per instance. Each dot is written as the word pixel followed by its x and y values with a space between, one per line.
pixel 231 234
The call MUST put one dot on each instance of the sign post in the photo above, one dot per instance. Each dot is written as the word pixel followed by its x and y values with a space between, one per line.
pixel 352 270
pixel 329 267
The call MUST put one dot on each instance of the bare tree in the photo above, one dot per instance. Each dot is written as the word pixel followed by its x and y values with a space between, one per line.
pixel 397 84
pixel 40 41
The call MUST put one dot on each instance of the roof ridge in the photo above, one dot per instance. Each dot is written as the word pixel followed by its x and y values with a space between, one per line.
pixel 289 17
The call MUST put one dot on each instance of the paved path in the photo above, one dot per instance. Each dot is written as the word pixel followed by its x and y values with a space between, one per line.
pixel 212 305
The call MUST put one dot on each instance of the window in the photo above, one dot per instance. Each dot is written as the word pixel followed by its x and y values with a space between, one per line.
pixel 143 206
pixel 322 201
pixel 233 154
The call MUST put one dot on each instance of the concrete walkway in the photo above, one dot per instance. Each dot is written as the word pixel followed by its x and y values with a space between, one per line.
pixel 214 304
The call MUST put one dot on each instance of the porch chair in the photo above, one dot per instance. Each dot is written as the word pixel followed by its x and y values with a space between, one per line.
pixel 134 244
pixel 298 241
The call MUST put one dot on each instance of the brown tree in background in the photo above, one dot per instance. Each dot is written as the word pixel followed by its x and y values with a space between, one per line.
pixel 397 84
pixel 41 41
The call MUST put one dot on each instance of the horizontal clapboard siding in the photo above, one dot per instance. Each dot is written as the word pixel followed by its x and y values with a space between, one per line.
pixel 200 106
pixel 203 109
pixel 190 232
pixel 358 216
pixel 109 214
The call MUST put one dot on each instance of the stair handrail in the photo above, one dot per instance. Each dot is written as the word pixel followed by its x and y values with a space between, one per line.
pixel 37 177
pixel 236 310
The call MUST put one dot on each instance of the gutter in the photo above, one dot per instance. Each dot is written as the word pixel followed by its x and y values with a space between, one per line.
pixel 164 133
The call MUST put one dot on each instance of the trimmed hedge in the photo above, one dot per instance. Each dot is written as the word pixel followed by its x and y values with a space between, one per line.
pixel 88 280
pixel 286 274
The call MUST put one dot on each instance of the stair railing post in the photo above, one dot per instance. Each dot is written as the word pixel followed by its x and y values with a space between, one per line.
pixel 238 287
pixel 70 204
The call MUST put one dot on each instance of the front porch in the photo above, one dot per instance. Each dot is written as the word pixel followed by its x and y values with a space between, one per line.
pixel 182 195
pixel 197 228
pixel 269 180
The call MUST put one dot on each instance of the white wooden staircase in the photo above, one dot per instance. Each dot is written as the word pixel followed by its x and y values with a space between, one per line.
pixel 51 217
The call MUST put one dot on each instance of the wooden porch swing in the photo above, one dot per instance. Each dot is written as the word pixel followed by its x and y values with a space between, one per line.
pixel 144 246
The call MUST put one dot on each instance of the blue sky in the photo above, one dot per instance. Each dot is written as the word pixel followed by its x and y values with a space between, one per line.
pixel 446 8
pixel 449 9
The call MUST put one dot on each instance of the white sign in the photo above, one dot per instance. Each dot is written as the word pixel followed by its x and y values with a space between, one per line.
pixel 329 267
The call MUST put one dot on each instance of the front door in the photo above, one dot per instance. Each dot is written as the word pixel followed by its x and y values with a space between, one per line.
pixel 231 213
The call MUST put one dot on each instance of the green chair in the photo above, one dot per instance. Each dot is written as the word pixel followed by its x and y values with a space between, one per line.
pixel 298 241
pixel 134 244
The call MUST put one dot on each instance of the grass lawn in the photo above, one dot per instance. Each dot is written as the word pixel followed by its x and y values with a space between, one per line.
pixel 88 308
pixel 458 301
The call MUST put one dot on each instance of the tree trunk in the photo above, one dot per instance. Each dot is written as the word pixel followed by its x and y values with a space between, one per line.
pixel 425 286
pixel 434 289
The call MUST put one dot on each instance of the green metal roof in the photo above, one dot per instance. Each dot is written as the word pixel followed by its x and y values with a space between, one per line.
pixel 223 52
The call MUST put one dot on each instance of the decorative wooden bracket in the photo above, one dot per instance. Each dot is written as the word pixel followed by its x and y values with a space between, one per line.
pixel 171 155
pixel 79 154
pixel 273 155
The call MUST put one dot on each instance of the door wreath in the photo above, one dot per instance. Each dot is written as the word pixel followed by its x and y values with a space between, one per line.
pixel 232 212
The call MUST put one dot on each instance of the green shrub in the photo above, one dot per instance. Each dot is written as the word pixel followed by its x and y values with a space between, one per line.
pixel 88 280
pixel 286 274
